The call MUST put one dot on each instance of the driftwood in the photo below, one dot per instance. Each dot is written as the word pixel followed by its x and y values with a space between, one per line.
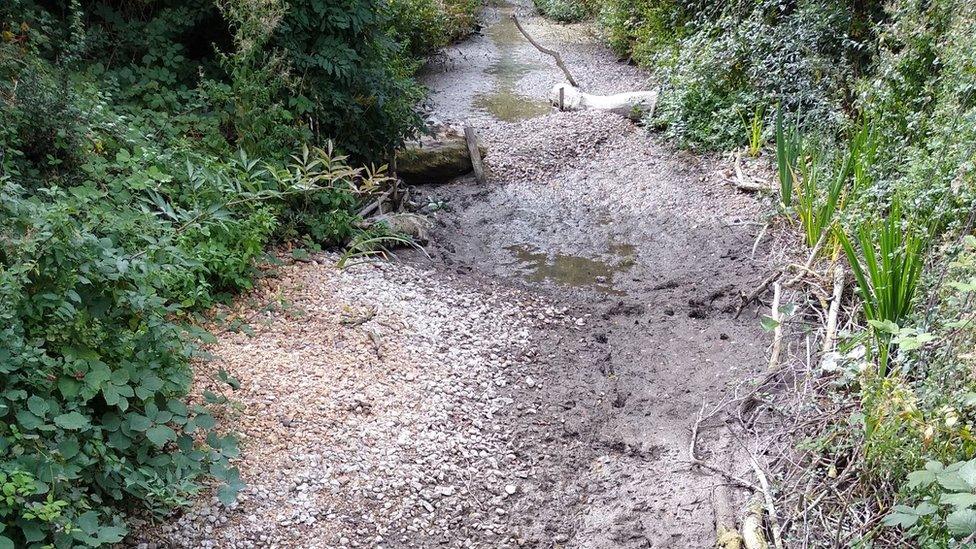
pixel 630 104
pixel 553 53
pixel 752 527
pixel 476 163
pixel 726 536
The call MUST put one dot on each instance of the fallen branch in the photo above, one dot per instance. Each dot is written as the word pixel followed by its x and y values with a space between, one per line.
pixel 752 529
pixel 555 54
pixel 831 333
pixel 770 506
pixel 778 329
pixel 375 205
pixel 744 183
pixel 726 536
pixel 759 289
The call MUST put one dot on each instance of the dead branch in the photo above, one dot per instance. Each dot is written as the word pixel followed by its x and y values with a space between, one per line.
pixel 770 506
pixel 555 54
pixel 693 458
pixel 744 183
pixel 759 289
pixel 778 330
pixel 810 259
pixel 752 530
pixel 726 536
pixel 831 333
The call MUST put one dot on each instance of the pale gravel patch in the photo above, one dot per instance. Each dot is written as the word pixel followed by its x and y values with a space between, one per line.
pixel 345 445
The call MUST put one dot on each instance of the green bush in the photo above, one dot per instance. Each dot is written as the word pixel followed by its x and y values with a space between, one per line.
pixel 355 82
pixel 147 159
pixel 94 373
pixel 426 25
pixel 719 62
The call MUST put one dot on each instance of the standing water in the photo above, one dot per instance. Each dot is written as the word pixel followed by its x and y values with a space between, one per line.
pixel 503 102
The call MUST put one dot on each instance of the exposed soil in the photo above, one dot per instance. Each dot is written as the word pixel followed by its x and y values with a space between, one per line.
pixel 535 380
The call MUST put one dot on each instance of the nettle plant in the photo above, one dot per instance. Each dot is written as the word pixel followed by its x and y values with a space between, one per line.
pixel 93 376
pixel 949 495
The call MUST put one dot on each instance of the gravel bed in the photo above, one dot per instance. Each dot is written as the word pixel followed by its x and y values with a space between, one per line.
pixel 384 433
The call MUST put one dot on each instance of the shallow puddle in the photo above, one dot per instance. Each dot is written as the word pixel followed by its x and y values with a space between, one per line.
pixel 503 102
pixel 571 270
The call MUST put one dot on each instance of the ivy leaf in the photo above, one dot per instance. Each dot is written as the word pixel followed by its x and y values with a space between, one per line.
pixel 160 435
pixel 73 421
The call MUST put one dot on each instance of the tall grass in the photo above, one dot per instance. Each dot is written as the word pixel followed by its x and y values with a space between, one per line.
pixel 756 128
pixel 886 257
pixel 788 150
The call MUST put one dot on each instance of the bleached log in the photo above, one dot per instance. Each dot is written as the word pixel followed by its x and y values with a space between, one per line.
pixel 630 104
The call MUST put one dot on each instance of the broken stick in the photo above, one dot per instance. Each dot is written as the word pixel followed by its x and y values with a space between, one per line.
pixel 831 334
pixel 555 54
pixel 744 183
pixel 778 329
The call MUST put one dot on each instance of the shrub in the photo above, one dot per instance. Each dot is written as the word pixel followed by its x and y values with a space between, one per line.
pixel 94 375
pixel 355 82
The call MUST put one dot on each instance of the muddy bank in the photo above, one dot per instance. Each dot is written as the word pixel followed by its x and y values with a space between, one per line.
pixel 645 242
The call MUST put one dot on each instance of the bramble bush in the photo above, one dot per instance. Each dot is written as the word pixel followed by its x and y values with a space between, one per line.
pixel 149 154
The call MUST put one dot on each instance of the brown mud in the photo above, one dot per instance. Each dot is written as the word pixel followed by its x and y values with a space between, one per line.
pixel 639 239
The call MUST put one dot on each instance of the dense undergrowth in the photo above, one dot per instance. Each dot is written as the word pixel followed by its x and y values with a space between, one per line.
pixel 867 111
pixel 150 152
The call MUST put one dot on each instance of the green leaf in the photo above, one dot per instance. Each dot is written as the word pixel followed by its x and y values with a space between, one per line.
pixel 139 422
pixel 160 435
pixel 902 516
pixel 69 447
pixel 958 500
pixel 918 479
pixel 38 406
pixel 204 421
pixel 73 421
pixel 6 543
pixel 768 323
pixel 968 473
pixel 950 480
pixel 961 522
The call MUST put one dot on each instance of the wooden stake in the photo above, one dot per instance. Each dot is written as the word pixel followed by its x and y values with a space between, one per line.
pixel 476 164
pixel 562 97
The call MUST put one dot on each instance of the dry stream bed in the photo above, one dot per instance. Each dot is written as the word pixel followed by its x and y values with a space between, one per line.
pixel 532 383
